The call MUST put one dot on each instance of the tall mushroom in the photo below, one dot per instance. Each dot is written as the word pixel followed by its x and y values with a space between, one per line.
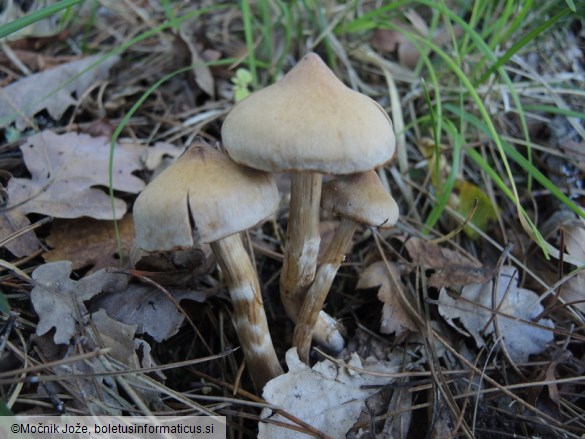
pixel 357 199
pixel 308 123
pixel 206 197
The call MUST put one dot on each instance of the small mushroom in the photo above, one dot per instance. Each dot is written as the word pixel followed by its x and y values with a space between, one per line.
pixel 205 197
pixel 309 123
pixel 357 199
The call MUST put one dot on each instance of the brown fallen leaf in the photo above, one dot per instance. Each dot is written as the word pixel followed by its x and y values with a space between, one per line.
pixel 459 275
pixel 51 90
pixel 89 242
pixel 433 256
pixel 395 318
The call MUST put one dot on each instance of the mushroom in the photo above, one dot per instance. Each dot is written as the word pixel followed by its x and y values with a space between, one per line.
pixel 357 199
pixel 308 123
pixel 205 197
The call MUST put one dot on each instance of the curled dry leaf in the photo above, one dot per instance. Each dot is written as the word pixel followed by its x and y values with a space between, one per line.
pixel 476 307
pixel 327 397
pixel 52 90
pixel 395 318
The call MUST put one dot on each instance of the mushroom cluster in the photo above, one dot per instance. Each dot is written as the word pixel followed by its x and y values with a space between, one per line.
pixel 308 124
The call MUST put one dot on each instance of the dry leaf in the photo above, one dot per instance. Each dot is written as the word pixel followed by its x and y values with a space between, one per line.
pixel 203 77
pixel 153 156
pixel 59 300
pixel 395 319
pixel 13 9
pixel 326 396
pixel 451 268
pixel 433 256
pixel 89 242
pixel 117 336
pixel 574 289
pixel 151 310
pixel 23 245
pixel 474 311
pixel 51 90
pixel 65 170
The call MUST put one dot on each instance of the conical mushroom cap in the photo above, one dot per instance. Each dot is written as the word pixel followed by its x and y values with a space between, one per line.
pixel 309 121
pixel 361 198
pixel 203 196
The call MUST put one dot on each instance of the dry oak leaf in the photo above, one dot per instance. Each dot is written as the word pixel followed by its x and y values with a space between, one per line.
pixel 327 397
pixel 515 307
pixel 65 170
pixel 59 300
pixel 395 319
pixel 150 309
pixel 52 90
pixel 88 242
pixel 451 268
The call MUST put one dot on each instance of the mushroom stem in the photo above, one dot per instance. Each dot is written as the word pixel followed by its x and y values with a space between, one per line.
pixel 315 297
pixel 250 318
pixel 302 249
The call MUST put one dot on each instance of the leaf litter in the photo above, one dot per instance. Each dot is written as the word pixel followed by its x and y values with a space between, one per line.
pixel 502 309
pixel 327 396
pixel 448 269
pixel 52 90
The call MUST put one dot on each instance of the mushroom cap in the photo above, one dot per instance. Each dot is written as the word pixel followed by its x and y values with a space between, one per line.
pixel 204 196
pixel 361 198
pixel 309 121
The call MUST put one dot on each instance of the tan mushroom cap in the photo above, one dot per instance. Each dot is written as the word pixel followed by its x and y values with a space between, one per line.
pixel 203 196
pixel 361 198
pixel 309 121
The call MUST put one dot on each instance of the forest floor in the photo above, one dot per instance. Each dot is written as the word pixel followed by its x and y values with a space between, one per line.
pixel 465 319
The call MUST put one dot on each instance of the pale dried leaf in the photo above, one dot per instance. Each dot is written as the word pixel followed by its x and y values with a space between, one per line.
pixel 574 289
pixel 51 90
pixel 117 336
pixel 327 397
pixel 13 9
pixel 203 76
pixel 395 318
pixel 65 170
pixel 150 309
pixel 474 311
pixel 59 300
pixel 575 239
pixel 153 156
pixel 23 245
